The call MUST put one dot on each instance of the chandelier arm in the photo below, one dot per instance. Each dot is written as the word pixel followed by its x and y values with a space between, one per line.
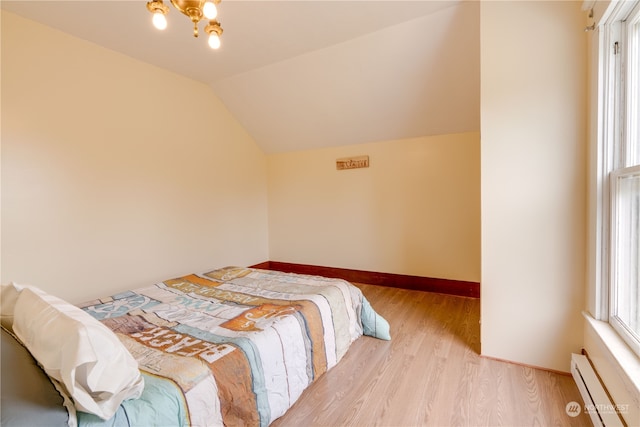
pixel 157 6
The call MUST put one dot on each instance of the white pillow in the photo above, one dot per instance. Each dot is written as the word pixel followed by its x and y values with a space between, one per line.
pixel 8 297
pixel 78 351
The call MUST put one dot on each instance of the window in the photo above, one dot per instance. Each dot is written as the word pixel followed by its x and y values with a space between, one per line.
pixel 625 255
pixel 620 160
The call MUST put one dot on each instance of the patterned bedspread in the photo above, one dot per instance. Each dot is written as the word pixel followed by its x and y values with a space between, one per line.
pixel 239 345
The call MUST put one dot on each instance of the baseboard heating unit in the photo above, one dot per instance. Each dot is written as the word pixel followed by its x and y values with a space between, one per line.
pixel 597 403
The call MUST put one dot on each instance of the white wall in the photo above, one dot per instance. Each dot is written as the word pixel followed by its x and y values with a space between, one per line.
pixel 117 174
pixel 533 126
pixel 415 210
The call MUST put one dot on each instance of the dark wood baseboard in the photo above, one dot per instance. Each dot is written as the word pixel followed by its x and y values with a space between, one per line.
pixel 415 283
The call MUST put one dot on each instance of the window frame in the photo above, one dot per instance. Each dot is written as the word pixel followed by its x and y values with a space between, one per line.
pixel 614 145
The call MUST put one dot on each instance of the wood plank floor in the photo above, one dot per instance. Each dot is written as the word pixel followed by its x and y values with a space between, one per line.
pixel 431 374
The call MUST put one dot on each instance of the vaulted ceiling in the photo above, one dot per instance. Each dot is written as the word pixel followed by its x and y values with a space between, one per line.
pixel 307 74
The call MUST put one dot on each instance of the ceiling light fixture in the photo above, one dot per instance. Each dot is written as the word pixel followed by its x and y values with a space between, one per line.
pixel 196 10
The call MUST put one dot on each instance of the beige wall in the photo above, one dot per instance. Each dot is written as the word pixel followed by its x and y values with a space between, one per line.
pixel 415 210
pixel 102 190
pixel 533 108
pixel 116 174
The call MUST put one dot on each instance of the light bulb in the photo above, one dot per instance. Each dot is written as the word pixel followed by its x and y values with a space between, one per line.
pixel 159 20
pixel 214 41
pixel 209 10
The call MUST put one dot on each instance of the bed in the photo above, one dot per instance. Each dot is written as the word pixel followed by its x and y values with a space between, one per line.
pixel 232 346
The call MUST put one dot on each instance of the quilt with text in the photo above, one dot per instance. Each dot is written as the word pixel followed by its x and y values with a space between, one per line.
pixel 234 346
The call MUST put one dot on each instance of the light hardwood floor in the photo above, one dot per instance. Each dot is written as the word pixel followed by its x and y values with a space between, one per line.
pixel 431 374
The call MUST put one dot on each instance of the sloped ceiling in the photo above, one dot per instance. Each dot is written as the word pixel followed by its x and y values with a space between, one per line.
pixel 308 74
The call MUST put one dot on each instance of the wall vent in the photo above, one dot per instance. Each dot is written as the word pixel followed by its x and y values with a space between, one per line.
pixel 597 403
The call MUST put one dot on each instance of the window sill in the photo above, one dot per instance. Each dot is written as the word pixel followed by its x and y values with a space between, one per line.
pixel 616 364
